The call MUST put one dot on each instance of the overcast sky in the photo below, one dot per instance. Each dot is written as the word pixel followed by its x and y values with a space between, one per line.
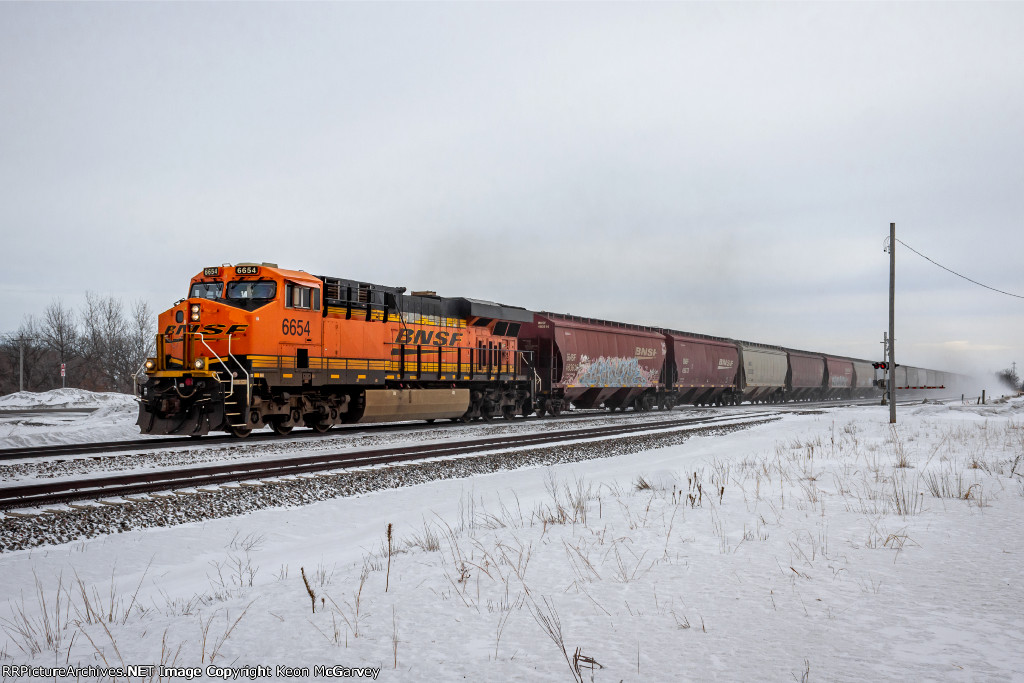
pixel 726 168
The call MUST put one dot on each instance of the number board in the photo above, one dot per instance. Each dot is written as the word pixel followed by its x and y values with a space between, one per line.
pixel 247 270
pixel 211 272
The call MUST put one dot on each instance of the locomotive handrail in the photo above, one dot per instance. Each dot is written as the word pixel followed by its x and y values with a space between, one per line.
pixel 135 380
pixel 248 383
pixel 228 370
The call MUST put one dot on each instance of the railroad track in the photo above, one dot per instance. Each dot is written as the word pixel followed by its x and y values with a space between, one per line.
pixel 118 486
pixel 157 443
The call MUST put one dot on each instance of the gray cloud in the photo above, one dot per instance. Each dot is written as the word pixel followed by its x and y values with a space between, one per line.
pixel 723 168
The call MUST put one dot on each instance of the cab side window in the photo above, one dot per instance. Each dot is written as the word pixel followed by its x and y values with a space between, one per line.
pixel 297 296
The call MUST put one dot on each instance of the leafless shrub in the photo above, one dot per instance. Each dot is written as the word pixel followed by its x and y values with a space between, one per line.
pixel 46 632
pixel 546 617
pixel 905 498
pixel 948 484
pixel 251 542
pixel 505 610
pixel 228 630
pixel 900 457
pixel 354 607
pixel 394 634
pixel 805 675
pixel 428 541
pixel 627 570
pixel 235 572
pixel 580 563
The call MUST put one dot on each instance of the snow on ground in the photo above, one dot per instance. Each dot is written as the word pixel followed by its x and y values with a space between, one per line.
pixel 64 398
pixel 112 417
pixel 819 547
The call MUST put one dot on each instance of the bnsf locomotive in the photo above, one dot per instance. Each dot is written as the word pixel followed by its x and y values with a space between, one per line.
pixel 255 345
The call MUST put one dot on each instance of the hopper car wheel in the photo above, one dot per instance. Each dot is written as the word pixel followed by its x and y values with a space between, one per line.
pixel 241 432
pixel 430 421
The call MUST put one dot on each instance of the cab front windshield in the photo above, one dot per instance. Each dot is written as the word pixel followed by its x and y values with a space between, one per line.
pixel 259 289
pixel 206 290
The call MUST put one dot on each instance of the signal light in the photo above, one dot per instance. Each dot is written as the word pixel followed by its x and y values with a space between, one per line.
pixel 880 366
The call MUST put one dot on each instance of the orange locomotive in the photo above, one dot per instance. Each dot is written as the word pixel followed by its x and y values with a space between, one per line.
pixel 255 345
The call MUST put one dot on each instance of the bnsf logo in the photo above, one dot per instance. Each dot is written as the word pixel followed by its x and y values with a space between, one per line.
pixel 419 337
pixel 210 330
pixel 724 364
pixel 641 352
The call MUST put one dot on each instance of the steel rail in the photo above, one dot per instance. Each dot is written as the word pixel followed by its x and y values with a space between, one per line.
pixel 30 495
pixel 156 443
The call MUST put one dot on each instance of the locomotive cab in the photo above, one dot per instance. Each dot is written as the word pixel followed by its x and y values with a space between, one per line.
pixel 202 376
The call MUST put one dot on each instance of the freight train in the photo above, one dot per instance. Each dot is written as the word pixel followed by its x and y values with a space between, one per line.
pixel 255 345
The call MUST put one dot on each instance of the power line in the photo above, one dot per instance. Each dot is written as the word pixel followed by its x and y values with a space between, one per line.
pixel 956 273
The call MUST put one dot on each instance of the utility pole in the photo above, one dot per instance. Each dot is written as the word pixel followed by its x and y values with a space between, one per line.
pixel 892 323
pixel 21 359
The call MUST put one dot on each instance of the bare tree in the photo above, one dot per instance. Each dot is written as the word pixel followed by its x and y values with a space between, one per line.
pixel 1009 377
pixel 59 331
pixel 114 343
pixel 40 372
pixel 138 343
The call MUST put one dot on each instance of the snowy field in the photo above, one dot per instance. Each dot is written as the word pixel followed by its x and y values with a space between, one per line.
pixel 823 546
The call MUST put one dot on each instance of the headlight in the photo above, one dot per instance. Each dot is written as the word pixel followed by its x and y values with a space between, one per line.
pixel 150 365
pixel 195 312
pixel 199 363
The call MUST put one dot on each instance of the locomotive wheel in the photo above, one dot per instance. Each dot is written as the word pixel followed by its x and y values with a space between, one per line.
pixel 241 432
pixel 508 412
pixel 280 427
pixel 541 412
pixel 556 409
pixel 320 427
